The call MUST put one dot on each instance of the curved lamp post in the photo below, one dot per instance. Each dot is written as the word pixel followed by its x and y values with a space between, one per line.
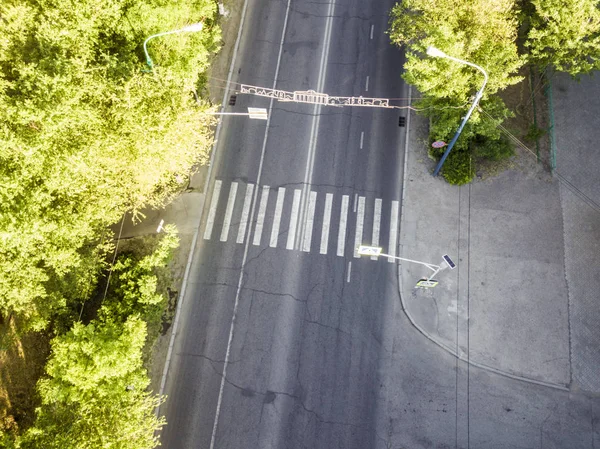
pixel 188 29
pixel 436 53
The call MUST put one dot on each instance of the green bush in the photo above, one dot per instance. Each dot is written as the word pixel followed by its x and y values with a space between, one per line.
pixel 458 168
pixel 493 149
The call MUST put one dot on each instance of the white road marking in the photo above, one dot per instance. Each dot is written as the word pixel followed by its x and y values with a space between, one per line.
pixel 376 224
pixel 229 211
pixel 360 217
pixel 372 29
pixel 349 271
pixel 293 219
pixel 277 218
pixel 210 222
pixel 393 231
pixel 314 131
pixel 367 84
pixel 343 222
pixel 362 139
pixel 245 212
pixel 355 201
pixel 326 223
pixel 258 178
pixel 260 220
pixel 310 220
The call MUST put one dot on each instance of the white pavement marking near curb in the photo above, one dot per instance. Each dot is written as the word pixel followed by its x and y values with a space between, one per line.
pixel 349 271
pixel 293 219
pixel 372 29
pixel 310 221
pixel 362 139
pixel 376 224
pixel 245 211
pixel 260 220
pixel 277 217
pixel 326 223
pixel 393 231
pixel 229 211
pixel 314 129
pixel 367 84
pixel 360 217
pixel 210 222
pixel 244 258
pixel 343 222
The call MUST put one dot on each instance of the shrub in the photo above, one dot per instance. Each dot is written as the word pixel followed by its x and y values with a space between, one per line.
pixel 458 168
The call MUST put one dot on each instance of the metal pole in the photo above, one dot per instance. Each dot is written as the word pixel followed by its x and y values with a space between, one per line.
pixel 432 267
pixel 462 125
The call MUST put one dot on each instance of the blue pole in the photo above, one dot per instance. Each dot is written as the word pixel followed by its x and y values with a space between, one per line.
pixel 456 136
pixel 432 51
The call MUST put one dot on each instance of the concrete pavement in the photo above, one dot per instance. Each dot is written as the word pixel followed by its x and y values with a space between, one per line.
pixel 522 301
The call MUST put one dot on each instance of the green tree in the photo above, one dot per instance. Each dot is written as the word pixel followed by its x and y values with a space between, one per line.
pixel 95 393
pixel 134 281
pixel 566 34
pixel 479 31
pixel 482 32
pixel 88 133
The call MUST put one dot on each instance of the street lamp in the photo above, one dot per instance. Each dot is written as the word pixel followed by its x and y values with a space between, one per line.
pixel 436 53
pixel 375 251
pixel 188 29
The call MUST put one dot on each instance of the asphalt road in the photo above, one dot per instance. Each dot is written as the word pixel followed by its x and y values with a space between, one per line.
pixel 286 339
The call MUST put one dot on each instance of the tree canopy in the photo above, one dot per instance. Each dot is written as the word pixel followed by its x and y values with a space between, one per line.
pixel 95 393
pixel 88 132
pixel 565 34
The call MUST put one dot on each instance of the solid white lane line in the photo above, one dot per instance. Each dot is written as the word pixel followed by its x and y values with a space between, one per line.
pixel 326 223
pixel 310 220
pixel 355 201
pixel 293 219
pixel 229 211
pixel 277 217
pixel 349 271
pixel 360 218
pixel 376 224
pixel 362 139
pixel 246 247
pixel 393 231
pixel 260 220
pixel 343 222
pixel 314 131
pixel 372 29
pixel 367 84
pixel 245 212
pixel 210 222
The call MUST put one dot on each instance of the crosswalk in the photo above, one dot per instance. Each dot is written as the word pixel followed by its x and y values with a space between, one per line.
pixel 278 218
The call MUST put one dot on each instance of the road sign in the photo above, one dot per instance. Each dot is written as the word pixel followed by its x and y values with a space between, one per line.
pixel 365 250
pixel 451 264
pixel 258 113
pixel 426 283
pixel 439 144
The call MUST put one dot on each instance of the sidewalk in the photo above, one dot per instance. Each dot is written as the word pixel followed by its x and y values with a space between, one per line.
pixel 521 300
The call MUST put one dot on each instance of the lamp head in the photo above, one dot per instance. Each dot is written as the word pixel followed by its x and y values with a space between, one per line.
pixel 436 53
pixel 194 27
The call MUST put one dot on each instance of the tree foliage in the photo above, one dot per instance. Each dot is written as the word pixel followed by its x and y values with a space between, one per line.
pixel 566 34
pixel 95 393
pixel 87 133
pixel 133 287
pixel 479 31
pixel 482 32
